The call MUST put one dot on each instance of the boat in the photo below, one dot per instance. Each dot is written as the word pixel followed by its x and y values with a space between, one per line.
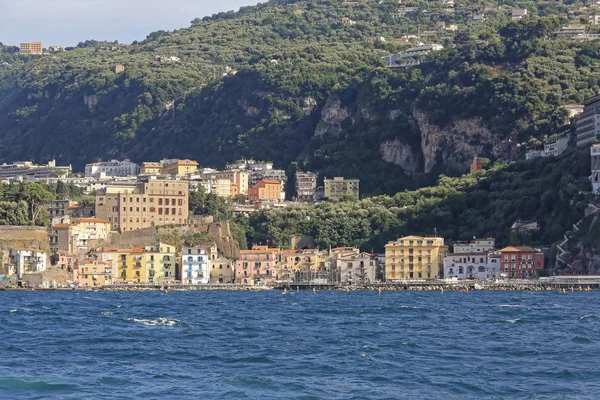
pixel 479 287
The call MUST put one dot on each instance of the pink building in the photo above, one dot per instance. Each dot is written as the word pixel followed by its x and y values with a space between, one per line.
pixel 256 265
pixel 63 260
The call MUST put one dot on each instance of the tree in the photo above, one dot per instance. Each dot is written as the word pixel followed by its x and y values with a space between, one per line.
pixel 36 196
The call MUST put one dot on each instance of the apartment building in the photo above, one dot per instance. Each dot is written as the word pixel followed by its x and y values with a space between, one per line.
pixel 31 171
pixel 256 265
pixel 268 190
pixel 306 186
pixel 588 122
pixel 338 187
pixel 195 264
pixel 78 235
pixel 521 262
pixel 31 48
pixel 239 178
pixel 414 258
pixel 146 204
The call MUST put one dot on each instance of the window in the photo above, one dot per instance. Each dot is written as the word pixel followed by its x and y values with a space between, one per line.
pixel 160 202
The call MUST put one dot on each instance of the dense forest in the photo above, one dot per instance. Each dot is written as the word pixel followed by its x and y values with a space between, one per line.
pixel 288 81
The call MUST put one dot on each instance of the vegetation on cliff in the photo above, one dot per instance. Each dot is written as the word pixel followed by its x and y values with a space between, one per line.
pixel 548 191
pixel 309 93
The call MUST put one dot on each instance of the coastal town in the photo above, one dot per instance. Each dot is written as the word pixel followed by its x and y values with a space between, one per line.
pixel 125 236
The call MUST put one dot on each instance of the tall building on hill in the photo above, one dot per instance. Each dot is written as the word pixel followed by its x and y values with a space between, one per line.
pixel 588 122
pixel 145 204
pixel 338 187
pixel 306 186
pixel 112 168
pixel 414 258
pixel 595 178
pixel 31 48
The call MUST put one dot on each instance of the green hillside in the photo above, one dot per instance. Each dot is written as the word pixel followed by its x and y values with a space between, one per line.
pixel 290 82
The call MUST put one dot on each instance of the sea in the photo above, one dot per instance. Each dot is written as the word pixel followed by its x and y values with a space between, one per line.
pixel 300 345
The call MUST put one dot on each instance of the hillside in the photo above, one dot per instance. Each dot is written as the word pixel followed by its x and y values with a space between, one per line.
pixel 290 82
pixel 551 192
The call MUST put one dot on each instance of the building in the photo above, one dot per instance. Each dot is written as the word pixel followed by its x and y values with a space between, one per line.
pixel 108 255
pixel 222 271
pixel 132 265
pixel 31 48
pixel 240 178
pixel 521 262
pixel 93 273
pixel 145 204
pixel 111 169
pixel 265 190
pixel 30 171
pixel 299 265
pixel 117 69
pixel 178 167
pixel 355 268
pixel 475 246
pixel 411 57
pixel 256 265
pixel 161 263
pixel 221 187
pixel 338 187
pixel 151 168
pixel 476 165
pixel 594 19
pixel 79 235
pixel 27 261
pixel 480 266
pixel 518 14
pixel 595 177
pixel 306 186
pixel 195 265
pixel 414 258
pixel 553 146
pixel 588 122
pixel 570 31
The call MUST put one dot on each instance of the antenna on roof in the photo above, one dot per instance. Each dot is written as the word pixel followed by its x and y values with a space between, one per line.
pixel 435 232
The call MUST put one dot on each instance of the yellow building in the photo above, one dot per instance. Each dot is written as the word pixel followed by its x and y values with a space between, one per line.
pixel 31 48
pixel 160 263
pixel 179 167
pixel 132 265
pixel 150 168
pixel 293 261
pixel 414 258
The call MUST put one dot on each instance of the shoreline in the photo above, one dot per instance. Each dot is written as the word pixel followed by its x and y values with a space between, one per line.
pixel 380 287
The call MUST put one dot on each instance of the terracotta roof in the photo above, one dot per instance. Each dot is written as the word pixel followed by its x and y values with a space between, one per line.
pixel 518 249
pixel 258 251
pixel 94 262
pixel 137 250
pixel 271 182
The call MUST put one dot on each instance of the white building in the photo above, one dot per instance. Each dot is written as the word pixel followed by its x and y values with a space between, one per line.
pixel 474 260
pixel 111 169
pixel 595 178
pixel 479 266
pixel 475 246
pixel 518 14
pixel 195 265
pixel 553 147
pixel 355 269
pixel 28 261
pixel 588 122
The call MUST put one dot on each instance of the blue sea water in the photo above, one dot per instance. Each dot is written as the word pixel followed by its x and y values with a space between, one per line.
pixel 266 345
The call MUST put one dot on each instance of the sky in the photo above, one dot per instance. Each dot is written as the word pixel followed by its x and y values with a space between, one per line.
pixel 68 22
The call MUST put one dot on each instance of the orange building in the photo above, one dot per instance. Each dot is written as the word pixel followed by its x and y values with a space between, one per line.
pixel 265 190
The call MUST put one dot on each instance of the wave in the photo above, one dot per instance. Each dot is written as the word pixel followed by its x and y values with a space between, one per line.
pixel 508 306
pixel 13 311
pixel 107 313
pixel 30 384
pixel 513 321
pixel 156 322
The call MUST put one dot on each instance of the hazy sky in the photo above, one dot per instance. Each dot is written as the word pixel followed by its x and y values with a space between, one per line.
pixel 68 22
